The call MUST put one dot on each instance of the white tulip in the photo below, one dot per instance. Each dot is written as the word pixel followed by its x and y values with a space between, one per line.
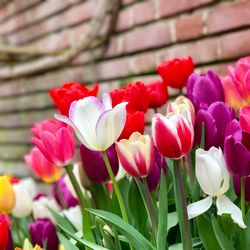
pixel 74 215
pixel 96 124
pixel 213 177
pixel 40 208
pixel 30 186
pixel 23 205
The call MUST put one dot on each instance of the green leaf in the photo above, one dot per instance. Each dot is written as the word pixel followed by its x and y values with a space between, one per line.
pixel 61 220
pixel 66 243
pixel 172 220
pixel 137 207
pixel 225 244
pixel 163 214
pixel 82 241
pixel 177 246
pixel 206 233
pixel 133 236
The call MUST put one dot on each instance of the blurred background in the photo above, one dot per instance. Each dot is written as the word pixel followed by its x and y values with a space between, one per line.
pixel 45 43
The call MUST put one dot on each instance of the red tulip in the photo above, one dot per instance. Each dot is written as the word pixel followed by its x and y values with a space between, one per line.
pixel 134 122
pixel 173 134
pixel 69 92
pixel 175 72
pixel 135 94
pixel 157 93
pixel 245 119
pixel 4 233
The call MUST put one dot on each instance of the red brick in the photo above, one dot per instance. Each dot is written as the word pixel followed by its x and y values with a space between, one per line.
pixel 150 36
pixel 235 45
pixel 143 63
pixel 170 7
pixel 144 12
pixel 80 13
pixel 219 69
pixel 111 69
pixel 188 27
pixel 229 16
pixel 125 20
pixel 202 51
pixel 115 46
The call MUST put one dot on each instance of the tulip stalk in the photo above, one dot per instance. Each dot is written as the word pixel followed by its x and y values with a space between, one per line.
pixel 242 196
pixel 115 185
pixel 181 206
pixel 85 215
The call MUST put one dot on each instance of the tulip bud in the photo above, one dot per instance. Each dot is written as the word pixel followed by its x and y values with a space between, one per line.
pixel 137 155
pixel 40 208
pixel 94 165
pixel 74 215
pixel 4 233
pixel 23 205
pixel 173 134
pixel 43 230
pixel 7 195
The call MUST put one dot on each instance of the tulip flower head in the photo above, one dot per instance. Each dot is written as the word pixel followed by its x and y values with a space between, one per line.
pixel 213 177
pixel 245 119
pixel 236 84
pixel 69 92
pixel 74 215
pixel 173 134
pixel 55 140
pixel 7 195
pixel 97 124
pixel 94 165
pixel 175 72
pixel 237 149
pixel 204 89
pixel 4 233
pixel 43 169
pixel 137 154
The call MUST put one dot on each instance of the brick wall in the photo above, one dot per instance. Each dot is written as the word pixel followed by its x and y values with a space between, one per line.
pixel 215 33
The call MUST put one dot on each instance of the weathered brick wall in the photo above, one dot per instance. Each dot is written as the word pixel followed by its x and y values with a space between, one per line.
pixel 215 33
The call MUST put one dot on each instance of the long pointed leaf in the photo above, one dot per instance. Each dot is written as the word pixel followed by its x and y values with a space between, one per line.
pixel 133 236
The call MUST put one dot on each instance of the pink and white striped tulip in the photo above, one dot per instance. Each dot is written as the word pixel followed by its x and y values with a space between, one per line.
pixel 173 134
pixel 137 154
pixel 43 169
pixel 96 124
pixel 55 140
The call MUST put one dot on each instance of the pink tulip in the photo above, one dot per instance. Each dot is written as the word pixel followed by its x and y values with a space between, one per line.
pixel 43 169
pixel 245 119
pixel 173 134
pixel 237 84
pixel 55 140
pixel 137 154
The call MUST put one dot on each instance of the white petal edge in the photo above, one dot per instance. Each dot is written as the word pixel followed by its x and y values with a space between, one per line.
pixel 226 206
pixel 81 138
pixel 199 207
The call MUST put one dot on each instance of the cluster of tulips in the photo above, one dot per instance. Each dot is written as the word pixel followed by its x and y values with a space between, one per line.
pixel 184 186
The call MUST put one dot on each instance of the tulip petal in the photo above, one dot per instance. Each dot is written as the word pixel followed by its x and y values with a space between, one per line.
pixel 106 100
pixel 84 114
pixel 208 173
pixel 226 206
pixel 199 207
pixel 165 136
pixel 110 125
pixel 65 119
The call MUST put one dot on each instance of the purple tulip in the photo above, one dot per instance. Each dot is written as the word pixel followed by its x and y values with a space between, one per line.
pixel 94 165
pixel 215 119
pixel 237 150
pixel 204 89
pixel 154 178
pixel 43 230
pixel 69 199
pixel 237 187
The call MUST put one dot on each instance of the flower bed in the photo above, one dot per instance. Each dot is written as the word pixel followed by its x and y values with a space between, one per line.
pixel 185 186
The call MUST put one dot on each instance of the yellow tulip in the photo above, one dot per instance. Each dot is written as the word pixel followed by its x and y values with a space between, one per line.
pixel 7 195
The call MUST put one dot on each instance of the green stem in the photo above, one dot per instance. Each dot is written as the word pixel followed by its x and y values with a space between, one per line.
pixel 150 207
pixel 87 232
pixel 242 196
pixel 181 206
pixel 115 185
